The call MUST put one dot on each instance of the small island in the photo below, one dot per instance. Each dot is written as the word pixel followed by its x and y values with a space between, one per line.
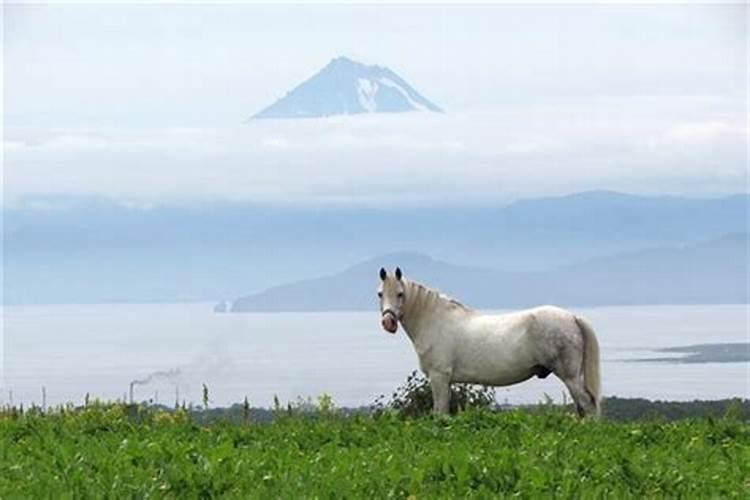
pixel 733 352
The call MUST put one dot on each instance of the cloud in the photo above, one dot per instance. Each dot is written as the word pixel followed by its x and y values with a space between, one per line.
pixel 703 132
pixel 629 145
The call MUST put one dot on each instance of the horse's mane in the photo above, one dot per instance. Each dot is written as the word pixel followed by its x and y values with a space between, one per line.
pixel 437 295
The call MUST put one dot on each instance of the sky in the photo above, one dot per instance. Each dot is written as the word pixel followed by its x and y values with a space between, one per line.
pixel 148 104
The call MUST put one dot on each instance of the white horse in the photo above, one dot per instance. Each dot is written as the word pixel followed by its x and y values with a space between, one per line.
pixel 457 344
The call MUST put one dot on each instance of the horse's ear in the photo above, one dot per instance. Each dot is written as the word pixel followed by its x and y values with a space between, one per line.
pixel 398 273
pixel 383 274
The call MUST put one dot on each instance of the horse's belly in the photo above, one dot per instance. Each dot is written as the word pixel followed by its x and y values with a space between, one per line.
pixel 497 376
pixel 494 364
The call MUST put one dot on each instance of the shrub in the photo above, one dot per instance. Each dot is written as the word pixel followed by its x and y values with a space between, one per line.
pixel 414 397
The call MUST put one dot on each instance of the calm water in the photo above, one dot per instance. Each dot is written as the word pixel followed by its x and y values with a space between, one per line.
pixel 71 350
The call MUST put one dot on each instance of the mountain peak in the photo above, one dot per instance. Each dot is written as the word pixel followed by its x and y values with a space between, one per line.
pixel 343 61
pixel 344 87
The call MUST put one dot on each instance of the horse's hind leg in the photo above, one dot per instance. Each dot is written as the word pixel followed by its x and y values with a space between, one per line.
pixel 570 371
pixel 582 399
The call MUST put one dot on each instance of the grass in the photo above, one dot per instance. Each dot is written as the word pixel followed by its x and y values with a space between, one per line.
pixel 122 451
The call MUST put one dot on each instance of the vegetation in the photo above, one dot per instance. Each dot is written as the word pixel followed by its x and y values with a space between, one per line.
pixel 414 397
pixel 133 451
pixel 616 409
pixel 635 409
pixel 394 449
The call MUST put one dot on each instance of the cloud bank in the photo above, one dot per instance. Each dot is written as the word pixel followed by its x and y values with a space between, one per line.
pixel 647 145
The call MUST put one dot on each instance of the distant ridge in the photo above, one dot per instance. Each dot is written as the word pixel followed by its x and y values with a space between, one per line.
pixel 712 272
pixel 88 250
pixel 347 87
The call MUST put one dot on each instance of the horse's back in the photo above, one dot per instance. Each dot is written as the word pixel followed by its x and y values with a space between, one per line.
pixel 532 334
pixel 541 319
pixel 552 323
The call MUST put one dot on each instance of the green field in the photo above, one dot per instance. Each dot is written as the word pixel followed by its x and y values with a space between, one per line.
pixel 121 451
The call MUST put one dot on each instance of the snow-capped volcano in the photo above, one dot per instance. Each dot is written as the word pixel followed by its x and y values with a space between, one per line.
pixel 345 87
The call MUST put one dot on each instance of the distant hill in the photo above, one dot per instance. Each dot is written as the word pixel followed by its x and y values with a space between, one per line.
pixel 346 87
pixel 710 272
pixel 83 250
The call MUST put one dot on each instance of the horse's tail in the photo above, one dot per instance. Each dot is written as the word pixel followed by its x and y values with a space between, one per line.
pixel 591 377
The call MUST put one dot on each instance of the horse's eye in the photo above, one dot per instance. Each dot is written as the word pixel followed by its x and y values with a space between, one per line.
pixel 400 295
pixel 380 294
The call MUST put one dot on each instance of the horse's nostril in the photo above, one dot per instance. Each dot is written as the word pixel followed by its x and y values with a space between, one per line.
pixel 389 324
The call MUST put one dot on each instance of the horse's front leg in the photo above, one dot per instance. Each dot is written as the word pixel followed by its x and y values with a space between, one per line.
pixel 441 393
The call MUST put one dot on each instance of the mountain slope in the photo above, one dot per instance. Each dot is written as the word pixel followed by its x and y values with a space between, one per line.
pixel 710 272
pixel 82 250
pixel 345 87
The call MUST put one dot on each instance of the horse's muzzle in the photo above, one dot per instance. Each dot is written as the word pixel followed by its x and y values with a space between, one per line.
pixel 389 322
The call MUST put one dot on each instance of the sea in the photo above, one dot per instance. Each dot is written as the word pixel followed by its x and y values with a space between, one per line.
pixel 167 353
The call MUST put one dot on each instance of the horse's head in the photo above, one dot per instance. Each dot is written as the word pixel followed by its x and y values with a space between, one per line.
pixel 391 294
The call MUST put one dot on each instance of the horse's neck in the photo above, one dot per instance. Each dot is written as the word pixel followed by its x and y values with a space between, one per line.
pixel 421 306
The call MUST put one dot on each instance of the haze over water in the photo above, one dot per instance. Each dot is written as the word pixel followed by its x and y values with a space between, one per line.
pixel 99 349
